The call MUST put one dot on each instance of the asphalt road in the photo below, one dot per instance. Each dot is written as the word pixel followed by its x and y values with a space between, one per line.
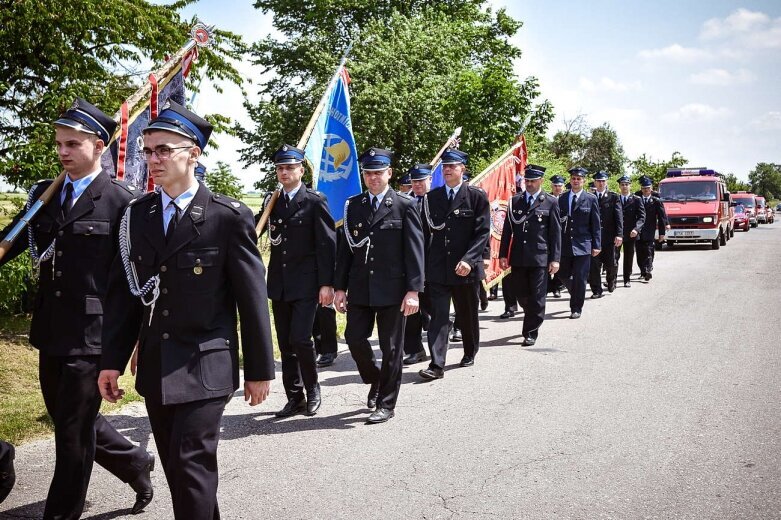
pixel 661 402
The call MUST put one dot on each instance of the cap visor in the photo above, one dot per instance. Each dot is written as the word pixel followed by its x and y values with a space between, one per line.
pixel 168 127
pixel 70 123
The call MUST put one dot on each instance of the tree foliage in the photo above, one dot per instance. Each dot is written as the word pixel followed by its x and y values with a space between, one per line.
pixel 52 51
pixel 222 180
pixel 765 180
pixel 656 170
pixel 419 69
pixel 734 184
pixel 592 148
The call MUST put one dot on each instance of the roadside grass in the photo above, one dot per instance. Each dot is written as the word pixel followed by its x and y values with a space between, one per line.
pixel 9 204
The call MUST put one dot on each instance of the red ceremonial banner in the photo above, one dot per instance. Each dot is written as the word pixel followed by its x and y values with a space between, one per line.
pixel 498 182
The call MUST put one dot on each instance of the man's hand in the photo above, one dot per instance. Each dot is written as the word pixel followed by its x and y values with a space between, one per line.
pixel 463 269
pixel 667 227
pixel 633 233
pixel 553 268
pixel 108 383
pixel 618 241
pixel 595 252
pixel 326 297
pixel 340 301
pixel 134 359
pixel 256 391
pixel 410 304
pixel 504 264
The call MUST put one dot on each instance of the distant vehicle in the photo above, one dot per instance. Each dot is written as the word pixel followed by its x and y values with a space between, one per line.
pixel 771 215
pixel 748 201
pixel 761 209
pixel 741 218
pixel 698 207
pixel 778 206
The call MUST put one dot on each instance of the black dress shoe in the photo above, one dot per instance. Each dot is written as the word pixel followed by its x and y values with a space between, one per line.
pixel 506 315
pixel 456 336
pixel 374 393
pixel 467 361
pixel 417 357
pixel 380 416
pixel 611 287
pixel 648 277
pixel 432 373
pixel 604 284
pixel 627 284
pixel 142 485
pixel 292 407
pixel 483 305
pixel 596 296
pixel 7 473
pixel 557 294
pixel 528 342
pixel 574 316
pixel 327 359
pixel 313 400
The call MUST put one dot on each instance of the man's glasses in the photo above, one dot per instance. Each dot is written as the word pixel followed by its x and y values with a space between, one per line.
pixel 162 152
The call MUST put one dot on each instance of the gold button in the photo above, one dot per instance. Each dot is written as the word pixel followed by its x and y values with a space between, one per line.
pixel 227 342
pixel 165 312
pixel 59 253
pixel 58 274
pixel 371 272
pixel 57 294
pixel 163 269
pixel 164 290
pixel 166 335
pixel 139 258
pixel 60 233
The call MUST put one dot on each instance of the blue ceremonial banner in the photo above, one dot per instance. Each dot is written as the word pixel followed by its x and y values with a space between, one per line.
pixel 331 150
pixel 437 179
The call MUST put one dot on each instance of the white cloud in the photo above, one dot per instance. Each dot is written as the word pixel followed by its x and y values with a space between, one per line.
pixel 608 84
pixel 744 28
pixel 697 112
pixel 722 77
pixel 676 53
pixel 768 121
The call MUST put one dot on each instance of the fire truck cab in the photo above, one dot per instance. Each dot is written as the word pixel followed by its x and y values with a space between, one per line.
pixel 698 206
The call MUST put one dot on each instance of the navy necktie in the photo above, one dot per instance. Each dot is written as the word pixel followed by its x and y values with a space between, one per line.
pixel 452 195
pixel 572 206
pixel 375 204
pixel 67 202
pixel 173 222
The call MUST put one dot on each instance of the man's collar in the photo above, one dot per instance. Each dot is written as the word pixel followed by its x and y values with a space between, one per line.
pixel 380 196
pixel 183 200
pixel 292 193
pixel 454 188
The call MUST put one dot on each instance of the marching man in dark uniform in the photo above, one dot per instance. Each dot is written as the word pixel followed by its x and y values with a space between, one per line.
pixel 581 238
pixel 420 177
pixel 612 220
pixel 458 217
pixel 74 240
pixel 379 271
pixel 533 226
pixel 405 185
pixel 324 336
pixel 655 219
pixel 555 285
pixel 634 218
pixel 188 261
pixel 300 276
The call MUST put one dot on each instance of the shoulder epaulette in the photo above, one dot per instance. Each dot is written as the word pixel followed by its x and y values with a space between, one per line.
pixel 404 195
pixel 315 192
pixel 142 197
pixel 128 187
pixel 228 202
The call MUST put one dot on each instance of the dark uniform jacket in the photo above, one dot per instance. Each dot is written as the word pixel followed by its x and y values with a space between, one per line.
pixel 391 263
pixel 655 218
pixel 582 231
pixel 536 241
pixel 634 215
pixel 611 218
pixel 467 229
pixel 303 261
pixel 68 307
pixel 210 267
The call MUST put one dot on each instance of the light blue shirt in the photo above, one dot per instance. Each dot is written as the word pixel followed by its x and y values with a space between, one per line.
pixel 293 192
pixel 531 197
pixel 78 186
pixel 573 194
pixel 378 197
pixel 455 189
pixel 182 202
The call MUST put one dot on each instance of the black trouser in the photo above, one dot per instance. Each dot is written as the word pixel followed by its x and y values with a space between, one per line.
pixel 629 257
pixel 483 295
pixel 7 454
pixel 293 322
pixel 324 330
pixel 465 299
pixel 186 436
pixel 555 283
pixel 530 285
pixel 69 385
pixel 413 341
pixel 390 328
pixel 508 293
pixel 574 271
pixel 645 256
pixel 606 259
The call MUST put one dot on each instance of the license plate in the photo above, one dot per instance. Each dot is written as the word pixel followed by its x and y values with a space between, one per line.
pixel 685 233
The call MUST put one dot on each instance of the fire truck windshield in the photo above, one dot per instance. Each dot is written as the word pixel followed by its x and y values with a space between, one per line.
pixel 688 191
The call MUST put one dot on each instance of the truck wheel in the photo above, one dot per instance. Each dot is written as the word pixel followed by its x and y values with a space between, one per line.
pixel 670 245
pixel 731 232
pixel 715 243
pixel 723 238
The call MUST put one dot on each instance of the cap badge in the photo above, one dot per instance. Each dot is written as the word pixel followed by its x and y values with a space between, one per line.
pixel 198 269
pixel 372 153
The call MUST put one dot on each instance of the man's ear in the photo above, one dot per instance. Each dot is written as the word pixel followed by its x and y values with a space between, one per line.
pixel 195 154
pixel 99 146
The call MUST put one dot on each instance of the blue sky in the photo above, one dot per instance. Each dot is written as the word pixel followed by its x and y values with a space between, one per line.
pixel 698 77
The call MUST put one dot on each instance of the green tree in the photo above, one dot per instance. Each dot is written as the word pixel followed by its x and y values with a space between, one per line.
pixel 656 170
pixel 52 51
pixel 593 148
pixel 765 180
pixel 223 181
pixel 419 70
pixel 734 184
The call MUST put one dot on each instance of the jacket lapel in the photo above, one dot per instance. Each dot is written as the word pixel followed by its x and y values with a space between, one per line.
pixel 187 229
pixel 294 202
pixel 458 200
pixel 86 202
pixel 385 206
pixel 154 224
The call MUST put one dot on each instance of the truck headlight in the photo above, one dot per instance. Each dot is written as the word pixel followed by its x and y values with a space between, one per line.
pixel 707 220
